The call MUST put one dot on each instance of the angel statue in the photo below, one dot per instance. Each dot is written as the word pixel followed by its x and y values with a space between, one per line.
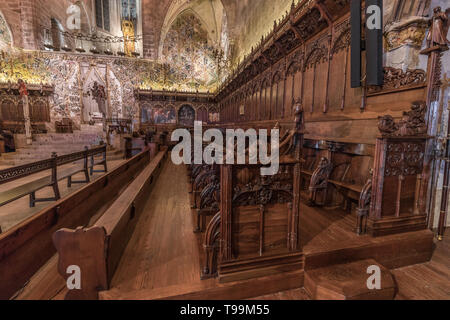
pixel 439 28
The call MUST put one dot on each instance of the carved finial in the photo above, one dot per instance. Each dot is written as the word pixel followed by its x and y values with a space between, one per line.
pixel 298 112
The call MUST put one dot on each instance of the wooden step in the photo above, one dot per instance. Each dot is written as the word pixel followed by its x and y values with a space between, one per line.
pixel 213 290
pixel 349 282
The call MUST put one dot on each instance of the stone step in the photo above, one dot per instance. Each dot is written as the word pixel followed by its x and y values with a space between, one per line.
pixel 71 146
pixel 349 282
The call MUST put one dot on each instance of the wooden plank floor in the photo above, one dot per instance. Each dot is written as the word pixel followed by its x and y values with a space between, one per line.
pixel 425 281
pixel 162 258
pixel 163 250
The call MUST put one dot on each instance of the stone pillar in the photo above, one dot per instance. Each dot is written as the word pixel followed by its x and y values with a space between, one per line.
pixel 26 115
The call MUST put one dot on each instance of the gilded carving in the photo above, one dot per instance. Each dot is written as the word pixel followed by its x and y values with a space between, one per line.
pixel 411 32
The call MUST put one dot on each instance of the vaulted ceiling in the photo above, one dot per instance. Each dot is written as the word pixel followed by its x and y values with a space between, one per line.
pixel 245 20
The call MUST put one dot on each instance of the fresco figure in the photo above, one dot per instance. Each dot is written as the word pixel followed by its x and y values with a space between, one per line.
pixel 186 115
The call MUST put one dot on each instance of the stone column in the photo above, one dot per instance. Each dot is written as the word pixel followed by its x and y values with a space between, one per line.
pixel 26 115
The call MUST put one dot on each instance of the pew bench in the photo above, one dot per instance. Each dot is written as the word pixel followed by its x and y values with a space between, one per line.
pixel 32 187
pixel 51 180
pixel 28 189
pixel 97 250
pixel 83 207
pixel 98 162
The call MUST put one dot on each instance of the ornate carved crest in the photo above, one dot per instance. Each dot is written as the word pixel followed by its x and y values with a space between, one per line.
pixel 396 79
pixel 412 124
pixel 265 190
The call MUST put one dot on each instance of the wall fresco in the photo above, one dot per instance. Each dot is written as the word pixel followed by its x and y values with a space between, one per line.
pixel 186 116
pixel 158 115
pixel 69 75
pixel 189 55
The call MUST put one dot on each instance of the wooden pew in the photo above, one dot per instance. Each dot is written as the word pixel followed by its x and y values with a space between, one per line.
pixel 30 188
pixel 25 248
pixel 97 250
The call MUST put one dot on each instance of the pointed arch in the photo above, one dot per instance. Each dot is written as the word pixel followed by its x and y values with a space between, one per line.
pixel 179 7
pixel 5 31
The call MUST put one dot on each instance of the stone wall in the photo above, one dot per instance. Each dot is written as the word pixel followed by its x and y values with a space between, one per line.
pixel 28 18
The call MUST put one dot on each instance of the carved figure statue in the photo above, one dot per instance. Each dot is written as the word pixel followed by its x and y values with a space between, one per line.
pixel 99 94
pixel 439 28
pixel 22 88
pixel 387 125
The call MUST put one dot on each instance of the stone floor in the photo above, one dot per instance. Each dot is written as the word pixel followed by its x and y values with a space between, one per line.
pixel 19 210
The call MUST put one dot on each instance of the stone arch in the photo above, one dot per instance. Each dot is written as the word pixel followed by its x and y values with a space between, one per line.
pixel 86 24
pixel 6 30
pixel 57 34
pixel 180 7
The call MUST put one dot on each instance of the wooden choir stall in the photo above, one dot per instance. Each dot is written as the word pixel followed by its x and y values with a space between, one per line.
pixel 353 187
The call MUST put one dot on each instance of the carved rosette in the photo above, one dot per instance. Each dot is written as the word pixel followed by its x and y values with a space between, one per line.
pixel 251 189
pixel 404 159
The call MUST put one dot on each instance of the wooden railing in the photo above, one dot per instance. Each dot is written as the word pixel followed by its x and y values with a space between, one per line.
pixel 25 170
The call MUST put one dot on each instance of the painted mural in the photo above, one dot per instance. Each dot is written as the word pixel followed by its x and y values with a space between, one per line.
pixel 73 78
pixel 158 115
pixel 190 57
pixel 29 66
pixel 214 117
pixel 186 116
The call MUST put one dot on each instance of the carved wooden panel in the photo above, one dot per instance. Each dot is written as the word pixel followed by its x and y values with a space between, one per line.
pixel 39 110
pixel 11 109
